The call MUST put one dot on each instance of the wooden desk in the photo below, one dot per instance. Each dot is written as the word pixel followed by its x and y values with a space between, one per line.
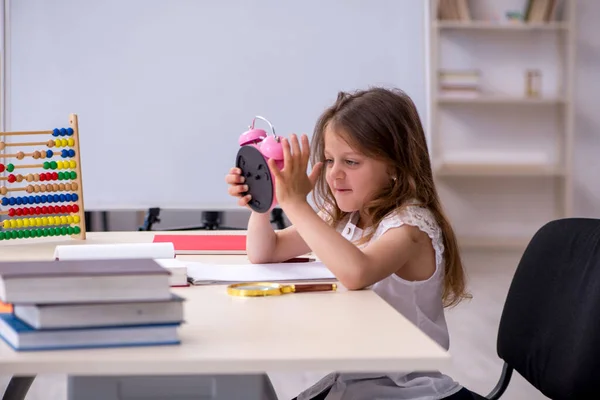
pixel 341 331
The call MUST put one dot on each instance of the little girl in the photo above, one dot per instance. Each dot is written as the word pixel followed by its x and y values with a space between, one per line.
pixel 380 225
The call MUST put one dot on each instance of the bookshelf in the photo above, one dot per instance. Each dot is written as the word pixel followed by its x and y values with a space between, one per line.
pixel 501 115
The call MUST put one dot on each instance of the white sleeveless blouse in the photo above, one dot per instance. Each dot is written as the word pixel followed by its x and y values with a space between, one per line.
pixel 418 301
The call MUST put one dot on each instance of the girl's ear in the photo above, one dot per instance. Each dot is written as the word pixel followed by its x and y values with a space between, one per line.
pixel 392 174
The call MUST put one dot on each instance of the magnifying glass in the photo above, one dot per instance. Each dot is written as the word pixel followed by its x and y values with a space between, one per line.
pixel 259 289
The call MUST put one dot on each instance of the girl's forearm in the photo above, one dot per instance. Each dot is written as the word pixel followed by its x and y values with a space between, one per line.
pixel 346 261
pixel 261 239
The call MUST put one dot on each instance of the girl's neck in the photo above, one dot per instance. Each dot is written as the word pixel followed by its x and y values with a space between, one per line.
pixel 361 221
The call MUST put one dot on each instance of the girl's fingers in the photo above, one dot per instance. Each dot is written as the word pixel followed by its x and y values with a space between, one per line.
pixel 236 190
pixel 274 170
pixel 296 153
pixel 234 178
pixel 305 152
pixel 287 156
pixel 244 200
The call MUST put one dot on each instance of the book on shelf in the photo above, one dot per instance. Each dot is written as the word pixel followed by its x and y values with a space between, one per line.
pixel 459 92
pixel 534 11
pixel 454 10
pixel 470 77
pixel 543 10
pixel 459 82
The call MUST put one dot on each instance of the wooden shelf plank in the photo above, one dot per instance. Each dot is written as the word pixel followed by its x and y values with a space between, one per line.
pixel 480 169
pixel 498 99
pixel 504 26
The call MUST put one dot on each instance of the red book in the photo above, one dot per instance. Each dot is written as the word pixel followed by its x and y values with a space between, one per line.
pixel 205 244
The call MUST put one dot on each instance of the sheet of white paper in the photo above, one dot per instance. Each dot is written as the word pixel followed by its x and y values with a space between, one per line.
pixel 204 273
pixel 114 251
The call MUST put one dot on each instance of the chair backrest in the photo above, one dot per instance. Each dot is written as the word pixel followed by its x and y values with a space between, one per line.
pixel 550 326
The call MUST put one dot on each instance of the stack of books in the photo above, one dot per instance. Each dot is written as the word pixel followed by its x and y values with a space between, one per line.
pixel 460 83
pixel 88 303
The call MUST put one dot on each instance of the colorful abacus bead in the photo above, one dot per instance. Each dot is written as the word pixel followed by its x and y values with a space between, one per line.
pixel 67 153
pixel 43 232
pixel 41 221
pixel 62 132
pixel 59 164
pixel 65 197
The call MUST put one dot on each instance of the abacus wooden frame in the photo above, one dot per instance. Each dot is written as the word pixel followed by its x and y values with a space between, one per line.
pixel 74 124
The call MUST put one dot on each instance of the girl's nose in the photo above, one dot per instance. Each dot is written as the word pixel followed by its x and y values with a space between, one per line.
pixel 337 172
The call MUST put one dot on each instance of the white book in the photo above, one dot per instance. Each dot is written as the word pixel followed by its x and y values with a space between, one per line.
pixel 114 251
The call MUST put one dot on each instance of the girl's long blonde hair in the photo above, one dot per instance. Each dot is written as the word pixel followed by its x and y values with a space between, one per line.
pixel 384 124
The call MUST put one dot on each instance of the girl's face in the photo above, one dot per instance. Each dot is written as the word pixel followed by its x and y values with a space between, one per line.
pixel 352 177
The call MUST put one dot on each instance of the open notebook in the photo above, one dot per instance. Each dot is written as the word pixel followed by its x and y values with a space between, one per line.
pixel 203 273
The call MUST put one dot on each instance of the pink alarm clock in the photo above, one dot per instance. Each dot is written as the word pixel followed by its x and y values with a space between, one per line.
pixel 256 148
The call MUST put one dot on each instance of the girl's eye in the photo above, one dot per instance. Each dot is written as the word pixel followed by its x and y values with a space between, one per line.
pixel 328 161
pixel 350 162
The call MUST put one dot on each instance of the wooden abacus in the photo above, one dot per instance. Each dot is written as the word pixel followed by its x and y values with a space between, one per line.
pixel 54 206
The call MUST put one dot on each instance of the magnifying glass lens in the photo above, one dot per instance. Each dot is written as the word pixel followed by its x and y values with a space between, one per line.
pixel 255 287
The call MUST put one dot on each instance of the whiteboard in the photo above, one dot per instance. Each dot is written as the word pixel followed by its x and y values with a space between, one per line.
pixel 164 88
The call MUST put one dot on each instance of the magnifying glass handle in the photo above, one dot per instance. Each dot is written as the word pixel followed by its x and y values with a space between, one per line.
pixel 314 287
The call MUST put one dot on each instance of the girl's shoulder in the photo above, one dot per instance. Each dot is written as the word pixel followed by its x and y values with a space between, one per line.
pixel 415 215
pixel 411 214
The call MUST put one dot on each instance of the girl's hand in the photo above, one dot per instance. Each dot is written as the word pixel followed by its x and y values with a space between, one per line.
pixel 237 187
pixel 292 183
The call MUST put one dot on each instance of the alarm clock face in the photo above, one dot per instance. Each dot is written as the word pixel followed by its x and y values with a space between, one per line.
pixel 258 176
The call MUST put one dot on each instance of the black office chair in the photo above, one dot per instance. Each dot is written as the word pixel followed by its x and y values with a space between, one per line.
pixel 18 387
pixel 550 326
